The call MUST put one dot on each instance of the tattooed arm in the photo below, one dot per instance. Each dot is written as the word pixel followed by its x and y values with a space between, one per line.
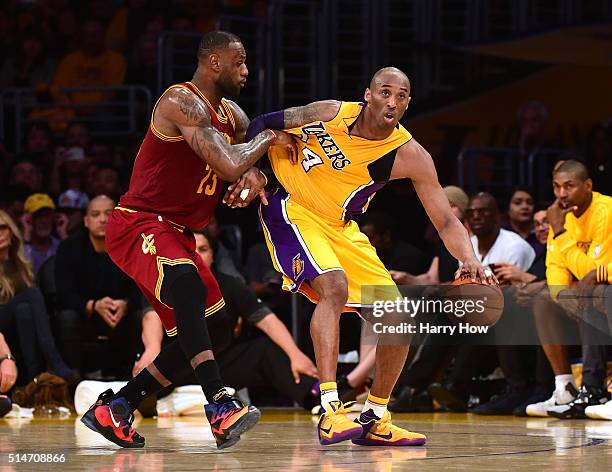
pixel 324 110
pixel 294 117
pixel 180 112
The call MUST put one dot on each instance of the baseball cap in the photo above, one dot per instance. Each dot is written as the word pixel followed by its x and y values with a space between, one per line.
pixel 73 199
pixel 38 201
pixel 457 197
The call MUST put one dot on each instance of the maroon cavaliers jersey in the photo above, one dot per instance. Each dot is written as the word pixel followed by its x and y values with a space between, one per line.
pixel 169 179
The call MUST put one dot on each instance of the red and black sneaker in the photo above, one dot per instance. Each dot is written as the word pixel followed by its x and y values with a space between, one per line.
pixel 112 417
pixel 229 418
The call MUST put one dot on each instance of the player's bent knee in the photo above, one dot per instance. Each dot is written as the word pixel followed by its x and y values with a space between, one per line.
pixel 332 287
pixel 180 281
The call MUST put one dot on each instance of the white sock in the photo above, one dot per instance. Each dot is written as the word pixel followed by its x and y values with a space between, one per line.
pixel 329 393
pixel 562 380
pixel 376 404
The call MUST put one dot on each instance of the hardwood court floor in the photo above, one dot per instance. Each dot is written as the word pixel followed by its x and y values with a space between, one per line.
pixel 285 441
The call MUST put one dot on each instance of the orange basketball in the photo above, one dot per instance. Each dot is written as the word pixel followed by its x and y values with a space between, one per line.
pixel 475 303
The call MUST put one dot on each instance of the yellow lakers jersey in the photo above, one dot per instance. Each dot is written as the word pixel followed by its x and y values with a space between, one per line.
pixel 333 177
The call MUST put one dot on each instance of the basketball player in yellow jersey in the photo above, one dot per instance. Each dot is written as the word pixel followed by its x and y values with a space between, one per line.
pixel 347 151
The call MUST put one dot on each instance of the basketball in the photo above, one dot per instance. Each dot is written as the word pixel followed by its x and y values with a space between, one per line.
pixel 475 303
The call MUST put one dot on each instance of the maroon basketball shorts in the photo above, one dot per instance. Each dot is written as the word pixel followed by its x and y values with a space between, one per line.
pixel 143 245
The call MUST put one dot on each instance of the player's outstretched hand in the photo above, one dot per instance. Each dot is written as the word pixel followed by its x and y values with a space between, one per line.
pixel 244 190
pixel 301 364
pixel 509 273
pixel 476 272
pixel 8 375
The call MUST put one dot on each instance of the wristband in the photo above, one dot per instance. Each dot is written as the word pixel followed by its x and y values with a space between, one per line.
pixel 7 357
pixel 273 120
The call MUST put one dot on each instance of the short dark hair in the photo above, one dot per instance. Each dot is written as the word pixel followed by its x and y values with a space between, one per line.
pixel 487 197
pixel 212 242
pixel 574 167
pixel 215 40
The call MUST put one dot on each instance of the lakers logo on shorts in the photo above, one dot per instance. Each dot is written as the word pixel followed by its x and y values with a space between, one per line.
pixel 148 244
pixel 297 266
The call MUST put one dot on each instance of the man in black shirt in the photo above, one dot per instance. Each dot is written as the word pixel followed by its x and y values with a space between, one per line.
pixel 98 303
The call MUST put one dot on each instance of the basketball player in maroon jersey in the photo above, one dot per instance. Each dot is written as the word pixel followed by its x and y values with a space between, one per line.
pixel 189 150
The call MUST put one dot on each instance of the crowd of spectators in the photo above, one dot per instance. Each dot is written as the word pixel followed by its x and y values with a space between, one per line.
pixel 66 309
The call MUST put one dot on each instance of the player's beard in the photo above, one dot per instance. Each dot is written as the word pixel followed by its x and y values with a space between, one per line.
pixel 228 87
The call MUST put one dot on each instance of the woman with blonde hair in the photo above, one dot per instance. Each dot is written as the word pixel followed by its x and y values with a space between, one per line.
pixel 22 308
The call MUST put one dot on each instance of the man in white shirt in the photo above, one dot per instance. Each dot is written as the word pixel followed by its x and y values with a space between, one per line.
pixel 493 244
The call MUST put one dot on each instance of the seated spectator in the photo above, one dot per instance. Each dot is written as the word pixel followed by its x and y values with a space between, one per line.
pixel 38 143
pixel 8 367
pixel 98 303
pixel 520 217
pixel 492 245
pixel 272 361
pixel 578 244
pixel 25 172
pixel 508 273
pixel 106 181
pixel 40 210
pixel 23 316
pixel 71 205
pixel 77 135
pixel 91 65
pixel 69 170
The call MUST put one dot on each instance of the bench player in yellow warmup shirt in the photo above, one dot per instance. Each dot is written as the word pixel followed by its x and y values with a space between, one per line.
pixel 579 253
pixel 347 151
pixel 580 238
